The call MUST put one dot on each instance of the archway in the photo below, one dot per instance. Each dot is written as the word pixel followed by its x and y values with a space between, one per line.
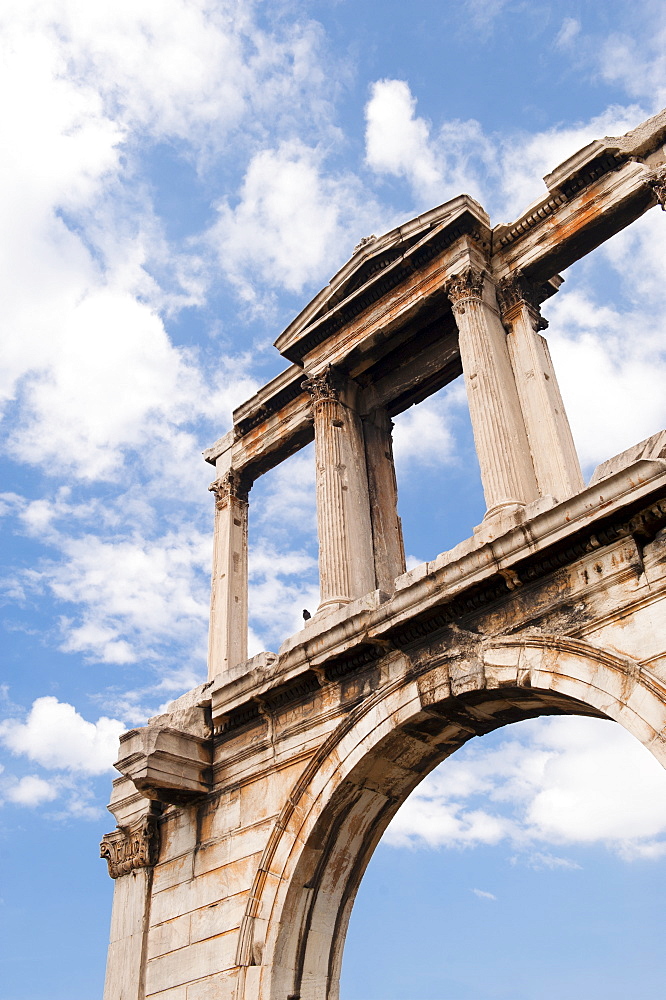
pixel 528 866
pixel 296 921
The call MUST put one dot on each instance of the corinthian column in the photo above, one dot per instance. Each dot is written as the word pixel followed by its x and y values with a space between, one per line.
pixel 554 457
pixel 130 851
pixel 346 566
pixel 389 550
pixel 499 433
pixel 227 638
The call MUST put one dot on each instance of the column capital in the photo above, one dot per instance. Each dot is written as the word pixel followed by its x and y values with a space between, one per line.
pixel 657 182
pixel 325 386
pixel 516 291
pixel 130 847
pixel 231 485
pixel 464 286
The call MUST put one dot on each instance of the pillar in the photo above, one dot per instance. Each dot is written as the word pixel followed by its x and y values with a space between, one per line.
pixel 554 457
pixel 388 546
pixel 346 564
pixel 497 421
pixel 227 640
pixel 130 851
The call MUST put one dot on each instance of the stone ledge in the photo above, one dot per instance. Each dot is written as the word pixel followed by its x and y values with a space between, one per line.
pixel 167 764
pixel 370 620
pixel 650 449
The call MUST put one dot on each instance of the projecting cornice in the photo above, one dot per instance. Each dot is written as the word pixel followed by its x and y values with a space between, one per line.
pixel 384 319
pixel 377 266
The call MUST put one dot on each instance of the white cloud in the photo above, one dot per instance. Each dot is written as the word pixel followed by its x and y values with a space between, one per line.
pixel 504 172
pixel 569 30
pixel 135 593
pixel 482 894
pixel 484 12
pixel 524 159
pixel 540 861
pixel 32 791
pixel 287 498
pixel 437 164
pixel 283 551
pixel 89 361
pixel 609 356
pixel 424 434
pixel 636 61
pixel 56 737
pixel 282 584
pixel 556 782
pixel 174 67
pixel 293 222
pixel 397 141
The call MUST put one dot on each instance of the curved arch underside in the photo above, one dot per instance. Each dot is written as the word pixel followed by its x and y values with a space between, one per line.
pixel 296 921
pixel 271 821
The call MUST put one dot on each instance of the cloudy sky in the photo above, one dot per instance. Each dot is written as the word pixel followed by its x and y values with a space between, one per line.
pixel 179 177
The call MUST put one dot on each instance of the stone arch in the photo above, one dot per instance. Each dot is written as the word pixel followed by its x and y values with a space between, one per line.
pixel 293 932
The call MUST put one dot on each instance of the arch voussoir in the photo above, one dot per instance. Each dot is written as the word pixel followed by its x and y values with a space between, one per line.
pixel 380 753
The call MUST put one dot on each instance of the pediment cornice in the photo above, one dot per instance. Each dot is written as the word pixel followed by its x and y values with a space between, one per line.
pixel 377 265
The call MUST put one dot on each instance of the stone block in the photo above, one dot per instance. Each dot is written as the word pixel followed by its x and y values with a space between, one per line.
pixel 172 872
pixel 167 764
pixel 178 833
pixel 239 844
pixel 198 960
pixel 651 448
pixel 123 969
pixel 265 797
pixel 179 993
pixel 218 918
pixel 219 987
pixel 220 815
pixel 169 936
pixel 129 903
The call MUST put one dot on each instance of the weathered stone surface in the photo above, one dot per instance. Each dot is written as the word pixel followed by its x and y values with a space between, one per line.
pixel 652 448
pixel 248 811
pixel 167 764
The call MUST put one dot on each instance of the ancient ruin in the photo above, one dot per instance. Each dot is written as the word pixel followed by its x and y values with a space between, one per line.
pixel 247 814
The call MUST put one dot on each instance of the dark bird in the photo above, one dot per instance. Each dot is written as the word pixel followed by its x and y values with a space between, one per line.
pixel 306 614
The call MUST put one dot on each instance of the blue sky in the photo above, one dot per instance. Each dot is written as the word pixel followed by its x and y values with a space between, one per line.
pixel 179 178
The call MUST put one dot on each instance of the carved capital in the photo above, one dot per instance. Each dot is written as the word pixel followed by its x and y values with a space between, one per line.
pixel 129 848
pixel 657 182
pixel 466 285
pixel 514 292
pixel 323 387
pixel 230 486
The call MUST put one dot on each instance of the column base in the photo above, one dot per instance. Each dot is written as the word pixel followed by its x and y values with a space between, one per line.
pixel 330 606
pixel 505 517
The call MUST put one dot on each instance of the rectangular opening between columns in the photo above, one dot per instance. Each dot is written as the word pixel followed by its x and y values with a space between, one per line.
pixel 283 574
pixel 440 496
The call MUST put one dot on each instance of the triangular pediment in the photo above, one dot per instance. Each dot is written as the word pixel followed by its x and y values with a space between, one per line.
pixel 367 269
pixel 370 258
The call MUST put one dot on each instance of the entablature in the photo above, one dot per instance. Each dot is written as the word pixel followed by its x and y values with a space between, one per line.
pixel 631 501
pixel 385 320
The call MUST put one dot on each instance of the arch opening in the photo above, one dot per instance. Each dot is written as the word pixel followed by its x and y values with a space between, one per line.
pixel 341 808
pixel 529 865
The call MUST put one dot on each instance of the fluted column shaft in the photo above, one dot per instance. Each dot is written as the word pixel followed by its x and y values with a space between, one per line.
pixel 389 549
pixel 554 456
pixel 346 567
pixel 499 432
pixel 227 638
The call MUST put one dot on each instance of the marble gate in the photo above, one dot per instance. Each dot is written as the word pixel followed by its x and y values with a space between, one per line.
pixel 247 813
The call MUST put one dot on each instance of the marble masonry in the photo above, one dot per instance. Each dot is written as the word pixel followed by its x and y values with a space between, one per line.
pixel 247 813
